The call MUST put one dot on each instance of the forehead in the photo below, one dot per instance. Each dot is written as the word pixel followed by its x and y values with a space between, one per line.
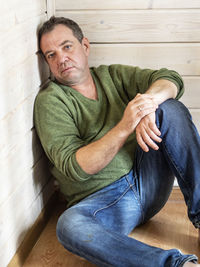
pixel 56 37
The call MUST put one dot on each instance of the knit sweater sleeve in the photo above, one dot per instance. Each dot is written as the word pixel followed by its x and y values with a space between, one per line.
pixel 58 134
pixel 133 80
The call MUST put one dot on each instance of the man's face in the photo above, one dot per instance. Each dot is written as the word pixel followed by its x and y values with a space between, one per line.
pixel 66 56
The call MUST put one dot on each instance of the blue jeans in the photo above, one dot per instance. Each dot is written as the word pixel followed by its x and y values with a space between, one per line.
pixel 97 227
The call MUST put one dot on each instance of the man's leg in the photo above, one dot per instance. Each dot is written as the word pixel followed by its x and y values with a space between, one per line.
pixel 97 227
pixel 181 147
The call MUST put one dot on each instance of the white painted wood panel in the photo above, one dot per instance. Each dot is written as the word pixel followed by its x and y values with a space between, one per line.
pixel 23 167
pixel 26 78
pixel 195 116
pixel 191 96
pixel 19 44
pixel 125 4
pixel 17 164
pixel 15 12
pixel 9 248
pixel 50 8
pixel 184 58
pixel 138 25
pixel 17 123
pixel 22 198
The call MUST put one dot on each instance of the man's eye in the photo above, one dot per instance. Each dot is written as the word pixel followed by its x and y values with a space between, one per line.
pixel 50 56
pixel 67 46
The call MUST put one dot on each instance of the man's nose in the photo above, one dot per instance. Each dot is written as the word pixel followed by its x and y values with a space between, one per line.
pixel 62 58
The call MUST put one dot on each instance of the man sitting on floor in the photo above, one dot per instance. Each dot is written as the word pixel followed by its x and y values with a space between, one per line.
pixel 116 137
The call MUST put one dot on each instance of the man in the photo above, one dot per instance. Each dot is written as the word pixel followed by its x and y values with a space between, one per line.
pixel 115 137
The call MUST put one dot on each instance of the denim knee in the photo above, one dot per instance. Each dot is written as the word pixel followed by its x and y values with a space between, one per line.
pixel 172 107
pixel 74 228
pixel 66 227
pixel 172 112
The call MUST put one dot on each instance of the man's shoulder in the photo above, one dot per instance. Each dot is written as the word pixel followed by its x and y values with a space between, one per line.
pixel 112 69
pixel 107 67
pixel 50 88
pixel 50 95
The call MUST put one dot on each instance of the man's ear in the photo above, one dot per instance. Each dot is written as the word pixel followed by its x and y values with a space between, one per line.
pixel 86 46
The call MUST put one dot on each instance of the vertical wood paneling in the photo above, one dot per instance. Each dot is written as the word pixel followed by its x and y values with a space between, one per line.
pixel 9 248
pixel 24 176
pixel 50 8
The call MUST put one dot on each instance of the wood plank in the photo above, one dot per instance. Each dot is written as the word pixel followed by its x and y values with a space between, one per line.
pixel 24 194
pixel 12 182
pixel 17 163
pixel 125 4
pixel 184 58
pixel 17 123
pixel 195 116
pixel 26 79
pixel 19 44
pixel 50 8
pixel 12 13
pixel 13 241
pixel 138 25
pixel 192 92
pixel 33 234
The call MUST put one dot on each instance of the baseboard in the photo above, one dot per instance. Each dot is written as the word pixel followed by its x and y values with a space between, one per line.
pixel 33 234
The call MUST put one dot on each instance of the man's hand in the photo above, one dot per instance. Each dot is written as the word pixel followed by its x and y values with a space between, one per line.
pixel 147 133
pixel 136 110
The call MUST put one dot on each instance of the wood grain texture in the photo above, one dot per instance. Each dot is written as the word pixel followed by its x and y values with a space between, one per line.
pixel 14 13
pixel 196 115
pixel 23 169
pixel 30 216
pixel 138 26
pixel 184 58
pixel 168 229
pixel 192 92
pixel 50 8
pixel 21 63
pixel 125 4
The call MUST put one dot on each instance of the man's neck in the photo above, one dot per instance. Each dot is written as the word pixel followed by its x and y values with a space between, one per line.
pixel 87 88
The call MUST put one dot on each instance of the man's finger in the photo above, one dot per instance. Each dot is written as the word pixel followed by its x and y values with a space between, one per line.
pixel 141 143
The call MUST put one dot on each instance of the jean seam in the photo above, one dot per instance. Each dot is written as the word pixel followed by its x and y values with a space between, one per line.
pixel 111 204
pixel 139 203
pixel 180 174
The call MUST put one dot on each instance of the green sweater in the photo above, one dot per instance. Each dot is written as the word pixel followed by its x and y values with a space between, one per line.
pixel 65 120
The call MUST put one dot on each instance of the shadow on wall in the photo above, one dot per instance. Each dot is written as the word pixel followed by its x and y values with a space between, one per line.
pixel 39 184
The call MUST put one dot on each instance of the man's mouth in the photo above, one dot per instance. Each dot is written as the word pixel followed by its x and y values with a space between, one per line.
pixel 66 69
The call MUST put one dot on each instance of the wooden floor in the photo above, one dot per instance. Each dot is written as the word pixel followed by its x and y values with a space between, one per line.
pixel 168 229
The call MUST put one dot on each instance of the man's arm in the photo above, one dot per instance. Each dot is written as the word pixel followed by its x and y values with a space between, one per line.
pixel 95 156
pixel 147 131
pixel 139 113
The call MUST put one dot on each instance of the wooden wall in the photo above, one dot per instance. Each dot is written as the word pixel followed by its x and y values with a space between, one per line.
pixel 24 179
pixel 145 33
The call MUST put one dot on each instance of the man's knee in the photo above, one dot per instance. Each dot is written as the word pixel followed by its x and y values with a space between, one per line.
pixel 172 106
pixel 68 226
pixel 74 227
pixel 172 111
